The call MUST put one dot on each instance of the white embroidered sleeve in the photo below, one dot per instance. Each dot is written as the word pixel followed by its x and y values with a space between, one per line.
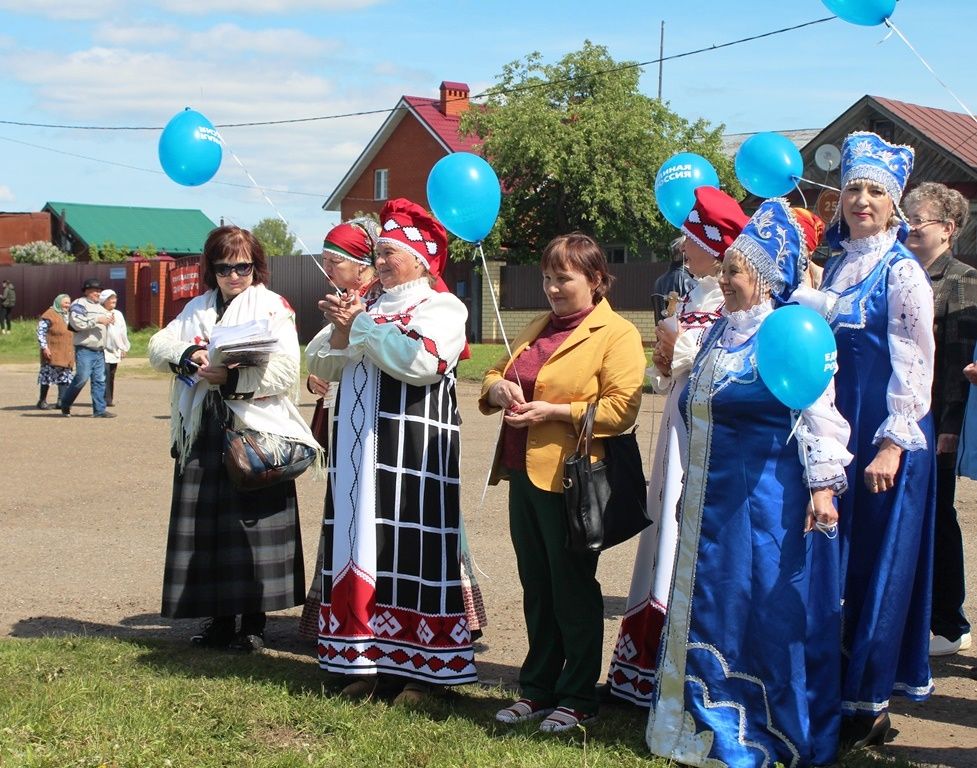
pixel 911 350
pixel 423 350
pixel 166 347
pixel 324 361
pixel 822 441
pixel 812 298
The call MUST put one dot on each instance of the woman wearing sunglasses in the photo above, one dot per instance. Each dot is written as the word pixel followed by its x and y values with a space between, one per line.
pixel 230 553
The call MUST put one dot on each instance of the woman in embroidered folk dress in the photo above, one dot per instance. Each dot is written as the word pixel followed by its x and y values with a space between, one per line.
pixel 880 305
pixel 392 600
pixel 579 353
pixel 714 222
pixel 230 552
pixel 55 339
pixel 750 662
pixel 347 258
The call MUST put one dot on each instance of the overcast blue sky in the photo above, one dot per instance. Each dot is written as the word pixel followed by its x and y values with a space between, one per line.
pixel 118 63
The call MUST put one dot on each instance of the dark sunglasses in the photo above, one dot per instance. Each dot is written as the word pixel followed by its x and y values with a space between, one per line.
pixel 242 268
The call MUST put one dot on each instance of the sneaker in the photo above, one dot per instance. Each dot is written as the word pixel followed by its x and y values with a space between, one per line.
pixel 42 406
pixel 564 719
pixel 940 646
pixel 521 711
pixel 66 411
pixel 104 415
pixel 965 642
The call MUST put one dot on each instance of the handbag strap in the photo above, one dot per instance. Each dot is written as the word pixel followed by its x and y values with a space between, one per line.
pixel 587 430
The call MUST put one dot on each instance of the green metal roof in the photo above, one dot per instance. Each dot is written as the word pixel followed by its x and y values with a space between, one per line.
pixel 174 230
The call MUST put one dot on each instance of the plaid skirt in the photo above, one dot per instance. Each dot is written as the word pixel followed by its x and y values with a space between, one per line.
pixel 229 552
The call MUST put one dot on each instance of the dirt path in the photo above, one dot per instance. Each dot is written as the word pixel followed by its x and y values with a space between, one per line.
pixel 83 530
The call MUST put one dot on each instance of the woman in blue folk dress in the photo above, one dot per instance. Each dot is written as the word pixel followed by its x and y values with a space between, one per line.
pixel 750 667
pixel 880 305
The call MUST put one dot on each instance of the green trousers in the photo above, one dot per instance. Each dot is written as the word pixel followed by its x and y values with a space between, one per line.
pixel 562 601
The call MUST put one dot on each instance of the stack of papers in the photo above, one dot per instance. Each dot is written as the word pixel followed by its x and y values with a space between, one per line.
pixel 247 344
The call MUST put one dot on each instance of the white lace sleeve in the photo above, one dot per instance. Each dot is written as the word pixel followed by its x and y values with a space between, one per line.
pixel 911 350
pixel 822 440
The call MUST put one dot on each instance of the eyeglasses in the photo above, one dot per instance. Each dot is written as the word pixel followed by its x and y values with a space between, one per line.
pixel 242 268
pixel 915 222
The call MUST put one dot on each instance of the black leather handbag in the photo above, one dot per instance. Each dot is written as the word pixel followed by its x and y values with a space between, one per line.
pixel 605 501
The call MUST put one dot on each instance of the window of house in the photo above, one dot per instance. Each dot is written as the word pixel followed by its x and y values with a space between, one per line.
pixel 616 254
pixel 380 184
pixel 884 128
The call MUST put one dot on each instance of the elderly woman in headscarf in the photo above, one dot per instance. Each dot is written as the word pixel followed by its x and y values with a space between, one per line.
pixel 116 341
pixel 879 303
pixel 749 671
pixel 392 596
pixel 55 339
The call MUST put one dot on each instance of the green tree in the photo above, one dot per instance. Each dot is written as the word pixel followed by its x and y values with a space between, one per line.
pixel 108 251
pixel 577 147
pixel 274 237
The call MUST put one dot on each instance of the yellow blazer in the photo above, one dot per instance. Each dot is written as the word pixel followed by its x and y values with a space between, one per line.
pixel 602 358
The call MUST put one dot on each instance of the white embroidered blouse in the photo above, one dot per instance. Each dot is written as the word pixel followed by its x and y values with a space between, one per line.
pixel 910 333
pixel 693 314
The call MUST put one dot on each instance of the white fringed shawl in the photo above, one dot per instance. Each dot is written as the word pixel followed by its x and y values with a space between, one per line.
pixel 275 385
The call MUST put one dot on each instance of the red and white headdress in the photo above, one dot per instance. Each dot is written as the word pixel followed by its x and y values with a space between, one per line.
pixel 406 225
pixel 714 221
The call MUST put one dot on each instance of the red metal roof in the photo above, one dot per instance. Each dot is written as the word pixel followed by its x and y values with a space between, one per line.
pixel 445 128
pixel 454 86
pixel 954 131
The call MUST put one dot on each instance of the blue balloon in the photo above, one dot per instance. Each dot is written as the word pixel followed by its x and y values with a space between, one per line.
pixel 867 13
pixel 190 149
pixel 676 182
pixel 796 355
pixel 768 164
pixel 464 194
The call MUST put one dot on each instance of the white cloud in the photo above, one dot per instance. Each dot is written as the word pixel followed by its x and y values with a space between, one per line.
pixel 257 7
pixel 6 194
pixel 63 9
pixel 224 40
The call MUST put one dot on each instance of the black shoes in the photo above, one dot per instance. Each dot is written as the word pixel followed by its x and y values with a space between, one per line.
pixel 215 633
pixel 66 411
pixel 247 643
pixel 42 406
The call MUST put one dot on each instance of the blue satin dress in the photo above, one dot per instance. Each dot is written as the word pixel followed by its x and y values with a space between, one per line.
pixel 750 663
pixel 886 538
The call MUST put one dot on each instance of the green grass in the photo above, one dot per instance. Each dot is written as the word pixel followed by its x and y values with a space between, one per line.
pixel 110 703
pixel 103 702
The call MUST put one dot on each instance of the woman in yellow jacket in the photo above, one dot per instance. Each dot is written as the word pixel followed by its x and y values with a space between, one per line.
pixel 580 352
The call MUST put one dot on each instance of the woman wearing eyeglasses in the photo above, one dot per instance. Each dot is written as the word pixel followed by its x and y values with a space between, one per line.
pixel 936 215
pixel 230 553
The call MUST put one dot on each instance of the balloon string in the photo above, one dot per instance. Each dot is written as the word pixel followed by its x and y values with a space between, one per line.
pixel 815 183
pixel 305 248
pixel 800 191
pixel 498 314
pixel 895 29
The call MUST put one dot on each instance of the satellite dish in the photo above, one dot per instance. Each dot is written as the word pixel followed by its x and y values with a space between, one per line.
pixel 827 157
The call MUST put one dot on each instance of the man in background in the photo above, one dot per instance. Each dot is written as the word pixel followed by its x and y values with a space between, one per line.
pixel 677 279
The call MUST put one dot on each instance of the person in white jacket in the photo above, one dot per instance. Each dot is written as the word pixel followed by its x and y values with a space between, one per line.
pixel 116 341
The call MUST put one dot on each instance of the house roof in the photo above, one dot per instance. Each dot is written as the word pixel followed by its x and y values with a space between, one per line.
pixel 954 131
pixel 733 141
pixel 174 230
pixel 427 112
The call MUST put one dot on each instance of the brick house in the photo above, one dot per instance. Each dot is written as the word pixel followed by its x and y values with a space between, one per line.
pixel 396 162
